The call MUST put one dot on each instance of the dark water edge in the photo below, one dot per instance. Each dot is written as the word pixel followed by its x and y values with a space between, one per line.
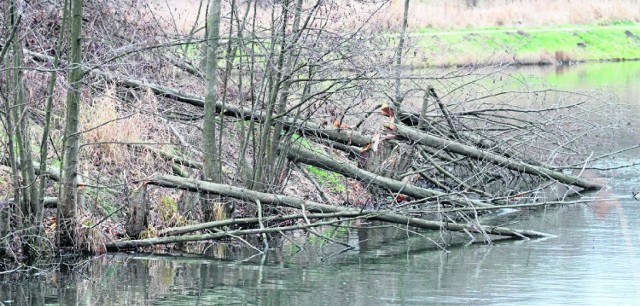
pixel 593 260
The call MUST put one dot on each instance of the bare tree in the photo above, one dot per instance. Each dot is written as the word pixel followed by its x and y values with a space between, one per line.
pixel 67 207
pixel 212 166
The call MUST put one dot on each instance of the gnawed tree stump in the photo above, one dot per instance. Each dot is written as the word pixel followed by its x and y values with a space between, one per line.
pixel 138 212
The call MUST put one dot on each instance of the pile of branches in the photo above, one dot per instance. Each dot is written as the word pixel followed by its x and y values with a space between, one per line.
pixel 297 102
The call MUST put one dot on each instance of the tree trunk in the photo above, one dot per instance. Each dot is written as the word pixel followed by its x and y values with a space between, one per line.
pixel 397 101
pixel 288 201
pixel 212 169
pixel 138 205
pixel 29 204
pixel 69 196
pixel 42 167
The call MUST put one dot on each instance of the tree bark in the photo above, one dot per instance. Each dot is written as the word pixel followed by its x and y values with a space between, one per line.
pixel 314 207
pixel 130 244
pixel 138 210
pixel 305 127
pixel 242 221
pixel 42 167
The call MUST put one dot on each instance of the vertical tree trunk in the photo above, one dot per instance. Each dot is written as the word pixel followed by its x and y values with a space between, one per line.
pixel 30 206
pixel 398 98
pixel 262 166
pixel 211 163
pixel 8 209
pixel 26 208
pixel 69 195
pixel 47 120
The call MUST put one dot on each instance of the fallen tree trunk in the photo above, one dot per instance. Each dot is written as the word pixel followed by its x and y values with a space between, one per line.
pixel 302 126
pixel 349 137
pixel 413 120
pixel 344 136
pixel 48 202
pixel 305 156
pixel 131 244
pixel 478 154
pixel 314 207
pixel 242 221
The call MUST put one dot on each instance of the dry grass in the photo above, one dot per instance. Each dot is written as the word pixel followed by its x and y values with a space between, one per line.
pixel 107 131
pixel 179 16
pixel 110 127
pixel 89 235
pixel 444 14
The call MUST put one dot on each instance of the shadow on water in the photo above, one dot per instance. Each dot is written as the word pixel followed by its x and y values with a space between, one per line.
pixel 594 258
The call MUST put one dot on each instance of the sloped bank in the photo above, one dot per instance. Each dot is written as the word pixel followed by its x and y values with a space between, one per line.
pixel 526 46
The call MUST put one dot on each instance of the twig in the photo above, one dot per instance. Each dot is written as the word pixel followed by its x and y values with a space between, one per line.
pixel 311 230
pixel 264 236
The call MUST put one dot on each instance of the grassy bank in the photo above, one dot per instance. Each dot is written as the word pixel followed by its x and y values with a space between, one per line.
pixel 551 45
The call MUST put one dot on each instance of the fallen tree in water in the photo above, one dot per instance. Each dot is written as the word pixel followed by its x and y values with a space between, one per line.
pixel 321 211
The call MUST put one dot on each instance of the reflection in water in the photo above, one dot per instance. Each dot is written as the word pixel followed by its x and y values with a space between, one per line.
pixel 594 260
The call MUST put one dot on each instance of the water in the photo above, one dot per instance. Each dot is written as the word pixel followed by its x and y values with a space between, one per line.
pixel 594 260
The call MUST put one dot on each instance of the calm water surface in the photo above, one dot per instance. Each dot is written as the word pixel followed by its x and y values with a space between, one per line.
pixel 594 260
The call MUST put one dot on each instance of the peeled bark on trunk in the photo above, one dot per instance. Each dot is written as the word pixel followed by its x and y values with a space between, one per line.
pixel 303 126
pixel 478 154
pixel 308 128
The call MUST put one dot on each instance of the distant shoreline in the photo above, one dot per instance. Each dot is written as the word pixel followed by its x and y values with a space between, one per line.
pixel 562 45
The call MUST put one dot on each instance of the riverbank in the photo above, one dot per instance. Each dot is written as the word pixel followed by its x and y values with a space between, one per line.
pixel 524 46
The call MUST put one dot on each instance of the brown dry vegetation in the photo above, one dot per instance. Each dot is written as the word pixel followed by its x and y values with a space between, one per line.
pixel 447 14
pixel 443 14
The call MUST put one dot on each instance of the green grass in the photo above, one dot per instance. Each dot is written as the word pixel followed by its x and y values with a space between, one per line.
pixel 532 45
pixel 333 180
pixel 329 178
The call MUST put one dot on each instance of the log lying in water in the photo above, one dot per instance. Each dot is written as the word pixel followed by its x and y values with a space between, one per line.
pixel 243 221
pixel 482 155
pixel 305 205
